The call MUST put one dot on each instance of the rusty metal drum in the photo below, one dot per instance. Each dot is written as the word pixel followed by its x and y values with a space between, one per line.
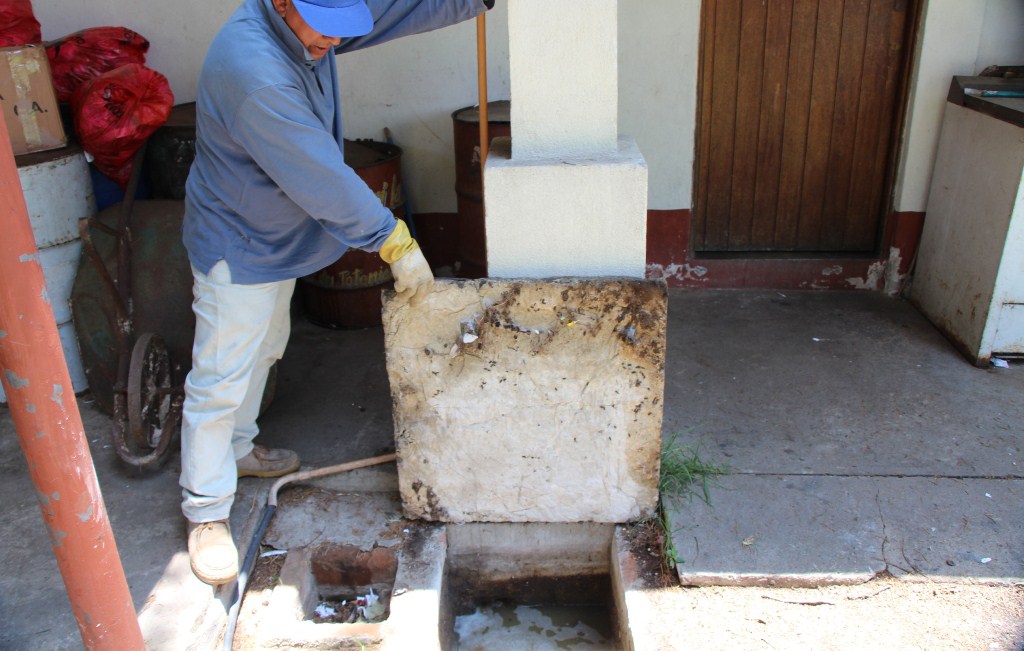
pixel 472 240
pixel 347 293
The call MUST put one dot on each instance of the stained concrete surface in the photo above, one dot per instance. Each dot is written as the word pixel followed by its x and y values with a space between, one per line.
pixel 861 447
pixel 848 419
pixel 850 399
pixel 528 401
pixel 851 530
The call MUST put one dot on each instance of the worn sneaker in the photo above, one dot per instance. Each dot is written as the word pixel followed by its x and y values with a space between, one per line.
pixel 267 462
pixel 212 552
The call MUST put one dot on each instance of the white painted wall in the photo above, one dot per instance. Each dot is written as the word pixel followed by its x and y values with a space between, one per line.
pixel 959 38
pixel 412 86
pixel 179 31
pixel 658 92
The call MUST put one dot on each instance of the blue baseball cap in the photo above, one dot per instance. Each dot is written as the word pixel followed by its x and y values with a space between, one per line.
pixel 336 17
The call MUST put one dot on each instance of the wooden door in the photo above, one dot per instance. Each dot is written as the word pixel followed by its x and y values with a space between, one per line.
pixel 799 105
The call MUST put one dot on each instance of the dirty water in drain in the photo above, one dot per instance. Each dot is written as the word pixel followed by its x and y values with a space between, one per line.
pixel 538 628
pixel 531 587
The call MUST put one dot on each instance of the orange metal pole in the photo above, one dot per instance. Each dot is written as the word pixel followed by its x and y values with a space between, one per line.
pixel 49 425
pixel 481 82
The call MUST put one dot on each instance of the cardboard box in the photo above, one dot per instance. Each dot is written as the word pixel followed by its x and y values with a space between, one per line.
pixel 28 101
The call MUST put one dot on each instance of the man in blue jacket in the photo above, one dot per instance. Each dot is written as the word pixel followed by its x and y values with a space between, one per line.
pixel 269 199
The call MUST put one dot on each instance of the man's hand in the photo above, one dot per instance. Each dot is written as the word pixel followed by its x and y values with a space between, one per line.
pixel 413 277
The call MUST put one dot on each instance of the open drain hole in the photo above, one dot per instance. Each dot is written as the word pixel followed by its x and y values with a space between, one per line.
pixel 530 586
pixel 352 584
pixel 553 612
pixel 298 598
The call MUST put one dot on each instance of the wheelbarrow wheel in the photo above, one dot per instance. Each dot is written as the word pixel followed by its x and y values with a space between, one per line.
pixel 149 423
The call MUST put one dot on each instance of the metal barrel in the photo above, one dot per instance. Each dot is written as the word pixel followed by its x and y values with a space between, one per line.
pixel 58 192
pixel 472 238
pixel 346 293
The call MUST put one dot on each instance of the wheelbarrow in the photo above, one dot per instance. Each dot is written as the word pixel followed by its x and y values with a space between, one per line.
pixel 144 392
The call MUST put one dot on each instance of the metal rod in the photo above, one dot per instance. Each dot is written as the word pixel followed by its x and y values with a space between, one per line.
pixel 303 475
pixel 125 327
pixel 481 80
pixel 120 309
pixel 50 431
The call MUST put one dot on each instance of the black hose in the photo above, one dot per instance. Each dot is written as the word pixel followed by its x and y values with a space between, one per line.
pixel 243 574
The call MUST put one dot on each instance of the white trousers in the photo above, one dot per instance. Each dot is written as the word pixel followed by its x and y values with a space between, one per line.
pixel 241 331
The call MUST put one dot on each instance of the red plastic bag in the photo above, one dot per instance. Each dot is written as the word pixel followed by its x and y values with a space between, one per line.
pixel 87 54
pixel 115 113
pixel 18 25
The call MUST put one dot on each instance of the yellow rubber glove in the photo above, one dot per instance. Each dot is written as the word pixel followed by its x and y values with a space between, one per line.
pixel 413 278
pixel 398 243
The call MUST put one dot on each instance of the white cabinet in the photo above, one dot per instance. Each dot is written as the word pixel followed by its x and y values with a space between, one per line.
pixel 969 276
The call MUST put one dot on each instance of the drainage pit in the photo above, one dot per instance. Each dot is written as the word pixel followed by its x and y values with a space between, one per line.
pixel 442 587
pixel 539 621
pixel 324 597
pixel 536 586
pixel 352 584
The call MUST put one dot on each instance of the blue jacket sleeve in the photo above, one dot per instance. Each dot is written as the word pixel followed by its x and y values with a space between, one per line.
pixel 396 18
pixel 283 136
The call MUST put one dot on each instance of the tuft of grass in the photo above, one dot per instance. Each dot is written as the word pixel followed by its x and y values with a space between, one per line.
pixel 683 475
pixel 683 472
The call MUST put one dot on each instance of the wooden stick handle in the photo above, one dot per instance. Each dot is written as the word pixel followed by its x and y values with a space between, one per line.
pixel 481 80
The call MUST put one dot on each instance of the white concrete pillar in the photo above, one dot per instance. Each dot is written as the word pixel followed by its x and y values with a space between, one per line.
pixel 568 195
pixel 566 216
pixel 563 68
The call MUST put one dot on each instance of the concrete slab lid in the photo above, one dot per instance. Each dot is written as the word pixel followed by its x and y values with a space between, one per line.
pixel 528 400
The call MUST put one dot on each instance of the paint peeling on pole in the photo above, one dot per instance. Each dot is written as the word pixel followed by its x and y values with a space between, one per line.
pixel 52 436
pixel 58 395
pixel 86 515
pixel 14 381
pixel 57 538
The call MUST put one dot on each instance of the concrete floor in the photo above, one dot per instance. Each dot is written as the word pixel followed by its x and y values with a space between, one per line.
pixel 849 415
pixel 858 443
